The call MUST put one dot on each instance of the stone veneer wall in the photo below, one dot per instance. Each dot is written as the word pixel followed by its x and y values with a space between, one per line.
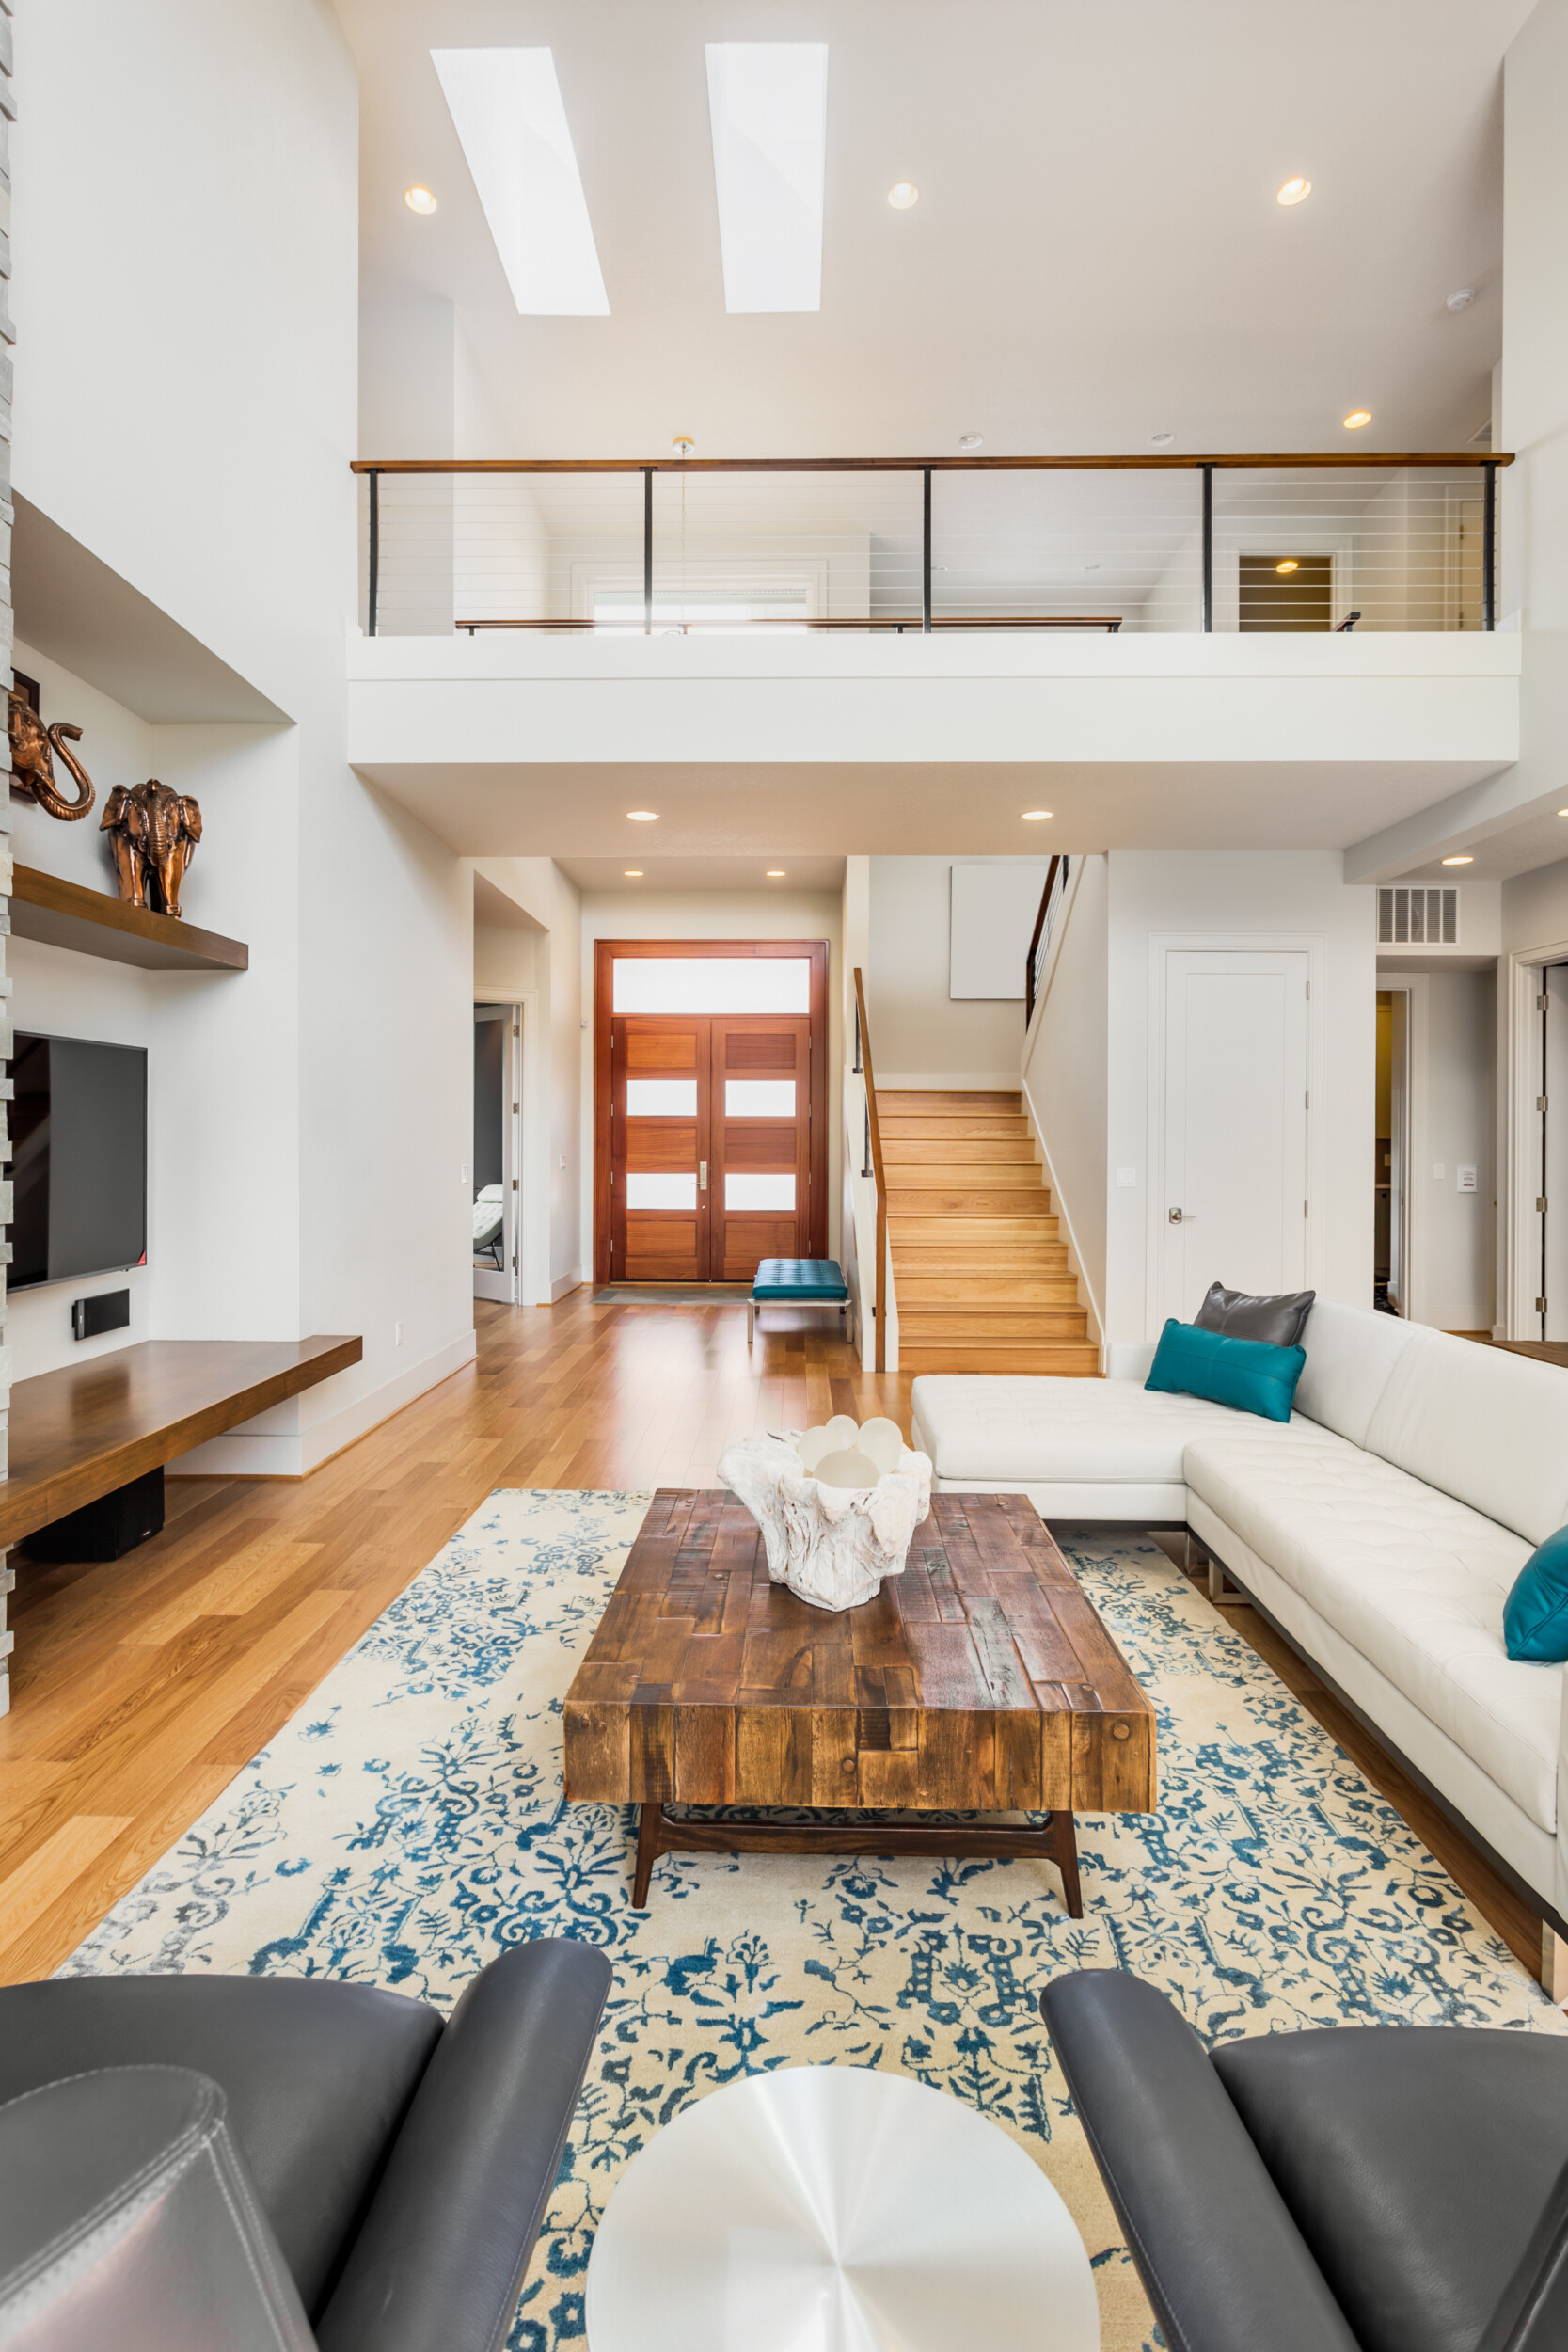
pixel 8 111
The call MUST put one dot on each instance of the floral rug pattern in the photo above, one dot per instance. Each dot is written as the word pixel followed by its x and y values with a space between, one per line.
pixel 408 1823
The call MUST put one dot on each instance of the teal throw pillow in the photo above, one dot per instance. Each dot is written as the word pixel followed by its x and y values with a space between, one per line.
pixel 1536 1614
pixel 1247 1373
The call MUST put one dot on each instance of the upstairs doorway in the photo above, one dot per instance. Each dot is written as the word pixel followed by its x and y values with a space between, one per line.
pixel 710 1107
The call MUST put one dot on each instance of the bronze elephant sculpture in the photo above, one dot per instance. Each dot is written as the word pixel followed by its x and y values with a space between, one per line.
pixel 152 836
pixel 33 745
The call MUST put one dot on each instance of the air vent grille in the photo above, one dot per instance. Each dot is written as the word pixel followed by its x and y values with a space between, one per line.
pixel 1410 917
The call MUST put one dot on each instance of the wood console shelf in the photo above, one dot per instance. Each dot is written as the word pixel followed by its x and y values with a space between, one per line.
pixel 64 915
pixel 80 1433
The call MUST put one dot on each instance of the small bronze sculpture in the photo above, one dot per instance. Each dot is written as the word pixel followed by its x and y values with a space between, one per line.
pixel 32 766
pixel 152 836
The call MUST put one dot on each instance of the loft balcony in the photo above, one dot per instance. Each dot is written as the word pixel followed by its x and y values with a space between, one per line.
pixel 1270 652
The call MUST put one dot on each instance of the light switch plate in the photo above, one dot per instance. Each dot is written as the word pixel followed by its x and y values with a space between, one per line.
pixel 1439 1170
pixel 1127 1178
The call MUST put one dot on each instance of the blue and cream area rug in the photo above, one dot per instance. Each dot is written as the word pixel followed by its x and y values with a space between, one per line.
pixel 408 1823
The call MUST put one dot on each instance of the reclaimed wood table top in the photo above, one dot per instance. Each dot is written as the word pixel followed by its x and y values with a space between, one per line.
pixel 980 1680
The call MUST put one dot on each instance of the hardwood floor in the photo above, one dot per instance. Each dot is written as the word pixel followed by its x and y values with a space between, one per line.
pixel 141 1686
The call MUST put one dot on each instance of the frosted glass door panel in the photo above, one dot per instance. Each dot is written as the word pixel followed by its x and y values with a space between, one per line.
pixel 712 984
pixel 759 1098
pixel 759 1192
pixel 663 1192
pixel 661 1098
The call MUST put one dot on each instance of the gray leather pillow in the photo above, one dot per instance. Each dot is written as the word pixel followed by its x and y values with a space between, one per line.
pixel 1279 1322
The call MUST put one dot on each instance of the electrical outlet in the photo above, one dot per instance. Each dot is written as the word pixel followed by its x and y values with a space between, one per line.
pixel 1439 1170
pixel 462 1175
pixel 396 1335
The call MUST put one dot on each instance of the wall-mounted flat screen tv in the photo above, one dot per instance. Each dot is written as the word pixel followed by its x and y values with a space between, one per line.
pixel 79 1146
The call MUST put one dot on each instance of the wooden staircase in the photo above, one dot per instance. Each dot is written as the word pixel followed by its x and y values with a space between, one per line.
pixel 980 1276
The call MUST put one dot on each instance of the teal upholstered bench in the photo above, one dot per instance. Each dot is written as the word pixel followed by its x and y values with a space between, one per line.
pixel 799 1282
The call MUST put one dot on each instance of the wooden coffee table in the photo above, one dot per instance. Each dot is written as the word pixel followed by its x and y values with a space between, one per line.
pixel 980 1680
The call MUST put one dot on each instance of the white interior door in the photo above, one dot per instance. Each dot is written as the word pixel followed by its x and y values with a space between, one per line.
pixel 1553 1098
pixel 1235 1111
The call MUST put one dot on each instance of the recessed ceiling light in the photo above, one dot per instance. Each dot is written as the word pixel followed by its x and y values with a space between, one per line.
pixel 1161 440
pixel 768 106
pixel 507 110
pixel 1461 298
pixel 902 194
pixel 1295 191
pixel 1358 418
pixel 775 873
pixel 644 816
pixel 633 873
pixel 1562 811
pixel 1035 815
pixel 1094 567
pixel 419 200
pixel 1290 565
pixel 970 440
pixel 1459 861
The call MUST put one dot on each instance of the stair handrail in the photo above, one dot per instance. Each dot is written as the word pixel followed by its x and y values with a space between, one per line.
pixel 873 1168
pixel 1055 882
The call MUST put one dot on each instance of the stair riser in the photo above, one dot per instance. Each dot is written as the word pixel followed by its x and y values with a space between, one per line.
pixel 911 1106
pixel 965 1152
pixel 1069 1360
pixel 982 1290
pixel 972 1233
pixel 1022 1208
pixel 930 1325
pixel 983 1176
pixel 1002 1128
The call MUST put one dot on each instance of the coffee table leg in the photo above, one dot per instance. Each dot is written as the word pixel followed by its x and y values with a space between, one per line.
pixel 1065 1838
pixel 649 1847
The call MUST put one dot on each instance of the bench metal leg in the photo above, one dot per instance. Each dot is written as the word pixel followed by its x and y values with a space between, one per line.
pixel 750 1321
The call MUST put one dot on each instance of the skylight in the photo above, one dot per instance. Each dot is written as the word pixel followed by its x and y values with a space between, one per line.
pixel 768 105
pixel 506 106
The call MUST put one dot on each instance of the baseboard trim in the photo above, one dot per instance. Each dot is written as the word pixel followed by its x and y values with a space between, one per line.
pixel 254 1451
pixel 564 1284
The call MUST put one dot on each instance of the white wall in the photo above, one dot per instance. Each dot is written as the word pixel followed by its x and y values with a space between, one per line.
pixel 553 1258
pixel 188 413
pixel 1453 1029
pixel 712 914
pixel 1187 898
pixel 1067 1072
pixel 921 1037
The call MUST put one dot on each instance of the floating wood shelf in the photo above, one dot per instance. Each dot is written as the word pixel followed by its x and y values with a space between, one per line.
pixel 81 1432
pixel 64 915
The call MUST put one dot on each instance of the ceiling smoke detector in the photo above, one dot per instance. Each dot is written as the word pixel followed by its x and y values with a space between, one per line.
pixel 1161 440
pixel 970 440
pixel 1461 298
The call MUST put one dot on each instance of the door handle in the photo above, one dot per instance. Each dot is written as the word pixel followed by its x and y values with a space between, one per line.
pixel 1180 1216
pixel 702 1175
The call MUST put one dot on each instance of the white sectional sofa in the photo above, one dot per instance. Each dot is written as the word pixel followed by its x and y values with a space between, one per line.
pixel 1379 1529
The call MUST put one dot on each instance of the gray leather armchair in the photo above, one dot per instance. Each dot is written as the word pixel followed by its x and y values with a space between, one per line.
pixel 396 2165
pixel 1359 2189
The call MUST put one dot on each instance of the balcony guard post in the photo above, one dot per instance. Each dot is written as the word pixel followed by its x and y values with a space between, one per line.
pixel 925 557
pixel 647 550
pixel 1208 550
pixel 375 554
pixel 1489 547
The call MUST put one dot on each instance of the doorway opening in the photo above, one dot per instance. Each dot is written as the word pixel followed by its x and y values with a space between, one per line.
pixel 1550 1318
pixel 498 1159
pixel 1391 1156
pixel 710 1072
pixel 1287 592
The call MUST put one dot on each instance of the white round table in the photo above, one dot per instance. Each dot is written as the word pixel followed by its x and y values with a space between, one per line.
pixel 836 2209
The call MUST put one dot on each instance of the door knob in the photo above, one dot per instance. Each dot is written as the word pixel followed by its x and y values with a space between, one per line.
pixel 1180 1216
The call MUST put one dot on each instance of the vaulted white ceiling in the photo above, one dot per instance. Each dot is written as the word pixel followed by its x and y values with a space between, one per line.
pixel 1097 254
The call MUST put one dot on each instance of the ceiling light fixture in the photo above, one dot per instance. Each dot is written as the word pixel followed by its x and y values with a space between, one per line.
pixel 1295 191
pixel 767 108
pixel 644 816
pixel 1562 811
pixel 1161 440
pixel 1358 418
pixel 970 440
pixel 633 873
pixel 902 194
pixel 1035 815
pixel 419 200
pixel 1459 861
pixel 1290 565
pixel 507 110
pixel 1461 298
pixel 775 873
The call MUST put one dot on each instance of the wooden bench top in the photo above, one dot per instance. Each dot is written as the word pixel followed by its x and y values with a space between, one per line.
pixel 980 1680
pixel 81 1432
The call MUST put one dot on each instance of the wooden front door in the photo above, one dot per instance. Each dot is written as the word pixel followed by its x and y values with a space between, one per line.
pixel 710 1144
